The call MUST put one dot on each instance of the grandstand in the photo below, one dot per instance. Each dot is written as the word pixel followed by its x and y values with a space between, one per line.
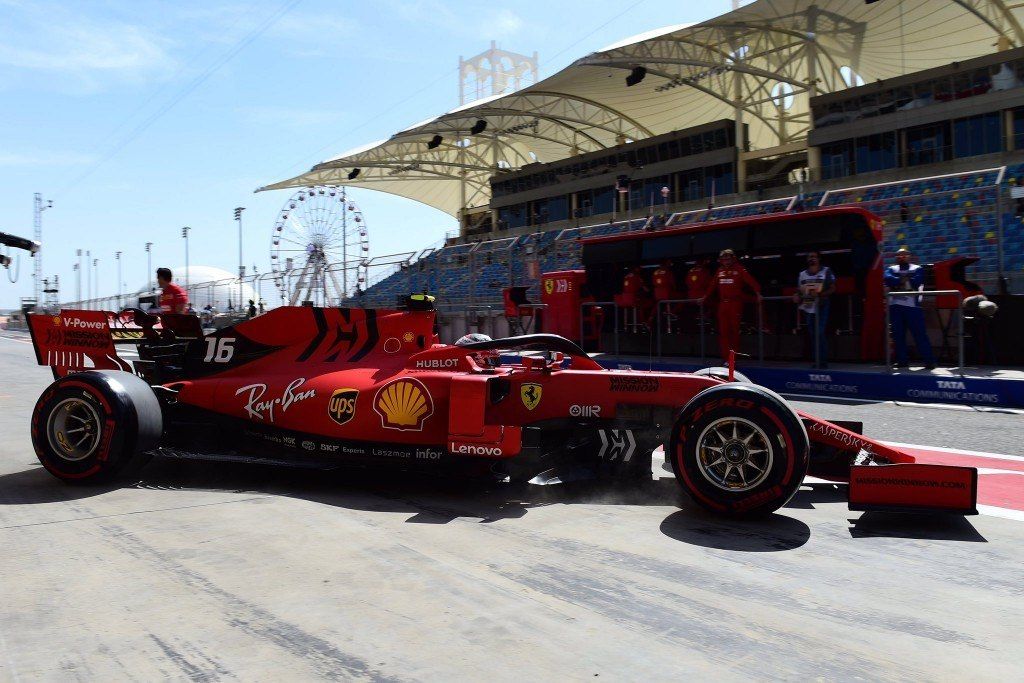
pixel 823 108
pixel 948 215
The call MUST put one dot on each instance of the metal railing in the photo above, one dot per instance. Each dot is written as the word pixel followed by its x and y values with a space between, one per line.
pixel 702 323
pixel 669 302
pixel 938 292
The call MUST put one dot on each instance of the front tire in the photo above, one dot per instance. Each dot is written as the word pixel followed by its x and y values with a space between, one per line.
pixel 739 450
pixel 92 426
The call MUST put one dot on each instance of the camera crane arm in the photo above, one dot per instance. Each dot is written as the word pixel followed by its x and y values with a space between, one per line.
pixel 6 240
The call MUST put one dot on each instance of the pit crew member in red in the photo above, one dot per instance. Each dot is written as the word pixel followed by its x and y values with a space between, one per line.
pixel 728 283
pixel 697 278
pixel 173 299
pixel 665 282
pixel 636 293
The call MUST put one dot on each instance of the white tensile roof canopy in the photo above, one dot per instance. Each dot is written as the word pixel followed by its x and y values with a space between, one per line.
pixel 758 64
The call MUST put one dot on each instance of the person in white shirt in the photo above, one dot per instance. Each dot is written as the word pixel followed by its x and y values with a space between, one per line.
pixel 814 287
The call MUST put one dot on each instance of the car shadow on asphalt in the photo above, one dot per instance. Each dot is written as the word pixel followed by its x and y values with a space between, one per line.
pixel 772 533
pixel 915 526
pixel 429 499
pixel 36 486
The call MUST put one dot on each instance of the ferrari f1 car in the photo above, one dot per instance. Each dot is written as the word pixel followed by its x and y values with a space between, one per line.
pixel 338 386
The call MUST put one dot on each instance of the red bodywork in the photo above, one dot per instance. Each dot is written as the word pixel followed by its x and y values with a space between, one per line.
pixel 328 383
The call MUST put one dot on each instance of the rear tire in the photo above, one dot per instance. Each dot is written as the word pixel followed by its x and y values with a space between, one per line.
pixel 739 450
pixel 92 426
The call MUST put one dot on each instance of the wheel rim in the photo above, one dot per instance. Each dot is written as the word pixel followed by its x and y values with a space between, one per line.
pixel 734 454
pixel 73 429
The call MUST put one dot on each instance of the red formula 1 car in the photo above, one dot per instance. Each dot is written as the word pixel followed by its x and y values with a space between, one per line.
pixel 334 386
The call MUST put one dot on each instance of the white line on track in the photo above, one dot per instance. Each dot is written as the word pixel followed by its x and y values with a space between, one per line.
pixel 906 404
pixel 1005 513
pixel 956 451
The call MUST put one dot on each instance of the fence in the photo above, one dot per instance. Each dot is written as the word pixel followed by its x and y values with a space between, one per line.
pixel 670 311
pixel 967 213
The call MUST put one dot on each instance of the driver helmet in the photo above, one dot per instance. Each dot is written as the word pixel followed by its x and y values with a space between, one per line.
pixel 488 357
pixel 471 338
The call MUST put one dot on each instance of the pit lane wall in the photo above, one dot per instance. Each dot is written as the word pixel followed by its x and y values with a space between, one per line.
pixel 917 387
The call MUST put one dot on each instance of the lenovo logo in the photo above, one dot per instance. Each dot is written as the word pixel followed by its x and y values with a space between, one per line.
pixel 475 449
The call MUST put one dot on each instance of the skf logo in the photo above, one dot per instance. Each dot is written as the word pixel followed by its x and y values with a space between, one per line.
pixel 405 404
pixel 342 406
pixel 530 394
pixel 821 378
pixel 549 286
pixel 951 384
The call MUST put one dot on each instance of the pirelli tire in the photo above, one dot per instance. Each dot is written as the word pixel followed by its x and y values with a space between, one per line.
pixel 739 450
pixel 93 426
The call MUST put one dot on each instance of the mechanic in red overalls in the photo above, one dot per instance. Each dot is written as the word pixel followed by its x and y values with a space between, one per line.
pixel 664 281
pixel 636 290
pixel 173 299
pixel 728 283
pixel 697 279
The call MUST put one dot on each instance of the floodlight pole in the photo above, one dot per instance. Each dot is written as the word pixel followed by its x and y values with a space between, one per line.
pixel 88 275
pixel 184 234
pixel 78 275
pixel 117 256
pixel 37 272
pixel 149 264
pixel 241 267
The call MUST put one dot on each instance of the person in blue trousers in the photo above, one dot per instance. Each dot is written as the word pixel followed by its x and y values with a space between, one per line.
pixel 905 313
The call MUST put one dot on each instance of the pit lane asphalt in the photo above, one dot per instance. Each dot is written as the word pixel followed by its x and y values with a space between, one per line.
pixel 219 572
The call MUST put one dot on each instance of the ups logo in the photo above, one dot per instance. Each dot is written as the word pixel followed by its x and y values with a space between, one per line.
pixel 342 406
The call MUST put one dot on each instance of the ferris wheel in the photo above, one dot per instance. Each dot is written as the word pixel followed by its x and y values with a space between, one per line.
pixel 319 247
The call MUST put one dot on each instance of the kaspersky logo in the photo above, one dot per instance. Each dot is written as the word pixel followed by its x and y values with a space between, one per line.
pixel 404 404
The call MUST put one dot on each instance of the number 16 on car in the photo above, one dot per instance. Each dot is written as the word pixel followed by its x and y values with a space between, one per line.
pixel 219 350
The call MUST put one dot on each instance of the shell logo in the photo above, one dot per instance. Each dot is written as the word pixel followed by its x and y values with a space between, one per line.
pixel 404 404
pixel 409 337
pixel 56 320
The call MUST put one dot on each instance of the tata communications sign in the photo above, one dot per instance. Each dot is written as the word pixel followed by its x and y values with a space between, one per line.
pixel 880 386
pixel 953 391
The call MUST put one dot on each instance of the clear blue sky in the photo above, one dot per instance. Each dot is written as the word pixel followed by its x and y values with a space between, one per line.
pixel 137 118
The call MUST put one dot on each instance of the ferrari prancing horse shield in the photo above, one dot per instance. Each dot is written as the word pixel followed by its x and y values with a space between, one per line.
pixel 530 393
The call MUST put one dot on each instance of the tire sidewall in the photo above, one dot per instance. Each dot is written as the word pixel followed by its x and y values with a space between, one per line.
pixel 115 447
pixel 772 415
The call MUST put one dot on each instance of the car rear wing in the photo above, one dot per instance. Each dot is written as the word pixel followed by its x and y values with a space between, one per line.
pixel 73 341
